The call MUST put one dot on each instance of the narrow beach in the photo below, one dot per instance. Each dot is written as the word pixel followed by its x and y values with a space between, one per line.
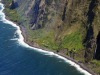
pixel 74 63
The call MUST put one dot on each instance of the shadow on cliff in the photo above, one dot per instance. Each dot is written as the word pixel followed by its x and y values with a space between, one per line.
pixel 89 40
pixel 90 13
pixel 97 54
pixel 90 16
pixel 35 14
pixel 14 5
pixel 64 12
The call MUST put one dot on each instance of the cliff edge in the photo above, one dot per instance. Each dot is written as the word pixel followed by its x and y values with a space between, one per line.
pixel 68 26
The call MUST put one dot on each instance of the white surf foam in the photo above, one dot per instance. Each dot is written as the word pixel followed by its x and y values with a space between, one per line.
pixel 21 42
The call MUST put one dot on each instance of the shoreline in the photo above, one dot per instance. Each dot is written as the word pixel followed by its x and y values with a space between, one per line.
pixel 59 53
pixel 23 33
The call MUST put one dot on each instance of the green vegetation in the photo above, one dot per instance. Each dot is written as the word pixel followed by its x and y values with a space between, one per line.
pixel 47 39
pixel 73 41
pixel 95 62
pixel 55 34
pixel 95 66
pixel 13 15
pixel 43 38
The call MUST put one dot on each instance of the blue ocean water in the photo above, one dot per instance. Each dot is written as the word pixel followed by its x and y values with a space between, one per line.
pixel 16 59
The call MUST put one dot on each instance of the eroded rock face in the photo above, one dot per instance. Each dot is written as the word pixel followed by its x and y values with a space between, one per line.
pixel 97 55
pixel 44 12
pixel 90 40
pixel 62 15
pixel 68 11
pixel 50 14
pixel 71 25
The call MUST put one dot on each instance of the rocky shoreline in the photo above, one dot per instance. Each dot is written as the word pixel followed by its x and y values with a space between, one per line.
pixel 59 53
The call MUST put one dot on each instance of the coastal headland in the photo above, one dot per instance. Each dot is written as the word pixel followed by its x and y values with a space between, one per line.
pixel 67 28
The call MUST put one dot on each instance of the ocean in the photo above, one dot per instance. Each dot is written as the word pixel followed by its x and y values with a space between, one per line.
pixel 18 58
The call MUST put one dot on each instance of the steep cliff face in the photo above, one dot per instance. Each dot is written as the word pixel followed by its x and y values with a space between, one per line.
pixel 97 55
pixel 72 26
pixel 97 30
pixel 90 40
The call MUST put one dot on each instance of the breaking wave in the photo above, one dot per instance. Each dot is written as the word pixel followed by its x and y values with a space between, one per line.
pixel 22 43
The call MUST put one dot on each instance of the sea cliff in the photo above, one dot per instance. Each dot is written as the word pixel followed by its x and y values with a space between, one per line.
pixel 63 26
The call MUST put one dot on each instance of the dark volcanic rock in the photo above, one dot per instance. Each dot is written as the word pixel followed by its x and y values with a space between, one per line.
pixel 13 5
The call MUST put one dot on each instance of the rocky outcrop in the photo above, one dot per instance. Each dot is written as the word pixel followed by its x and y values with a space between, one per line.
pixel 46 14
pixel 13 5
pixel 90 40
pixel 97 54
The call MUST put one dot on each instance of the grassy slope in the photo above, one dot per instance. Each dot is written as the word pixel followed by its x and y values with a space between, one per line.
pixel 47 38
pixel 13 15
pixel 70 38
